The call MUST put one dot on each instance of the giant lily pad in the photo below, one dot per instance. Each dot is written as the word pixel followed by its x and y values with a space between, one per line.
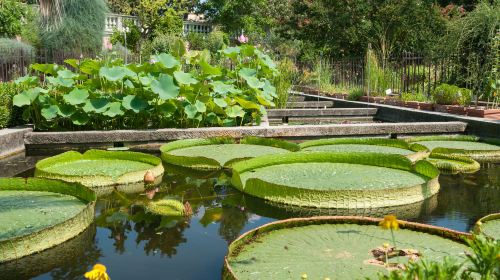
pixel 450 163
pixel 337 180
pixel 489 226
pixel 215 153
pixel 474 147
pixel 332 247
pixel 39 213
pixel 370 145
pixel 96 168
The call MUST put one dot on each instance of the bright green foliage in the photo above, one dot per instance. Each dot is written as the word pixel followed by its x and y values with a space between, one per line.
pixel 489 226
pixel 106 94
pixel 453 163
pixel 355 94
pixel 166 207
pixel 9 115
pixel 11 16
pixel 376 145
pixel 448 268
pixel 81 29
pixel 13 51
pixel 463 145
pixel 327 249
pixel 448 94
pixel 284 81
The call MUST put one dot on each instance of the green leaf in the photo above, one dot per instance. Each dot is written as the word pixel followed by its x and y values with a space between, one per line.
pixel 60 82
pixel 66 74
pixel 113 74
pixel 213 118
pixel 220 102
pixel 235 111
pixel 167 108
pixel 200 106
pixel 223 88
pixel 246 73
pixel 21 100
pixel 231 52
pixel 179 48
pixel 114 110
pixel 66 110
pixel 72 62
pixel 247 104
pixel 134 103
pixel 209 69
pixel 50 69
pixel 50 112
pixel 76 96
pixel 211 215
pixel 167 60
pixel 128 84
pixel 97 105
pixel 184 78
pixel 191 111
pixel 27 80
pixel 90 67
pixel 80 118
pixel 269 89
pixel 146 80
pixel 165 87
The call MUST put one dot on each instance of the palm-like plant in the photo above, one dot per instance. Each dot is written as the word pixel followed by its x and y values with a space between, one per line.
pixel 51 12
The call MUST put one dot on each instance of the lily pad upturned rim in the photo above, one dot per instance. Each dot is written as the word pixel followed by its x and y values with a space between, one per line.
pixel 453 163
pixel 205 163
pixel 23 245
pixel 479 155
pixel 350 198
pixel 100 180
pixel 490 217
pixel 249 236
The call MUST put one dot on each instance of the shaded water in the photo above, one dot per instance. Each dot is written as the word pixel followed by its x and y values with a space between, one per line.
pixel 134 244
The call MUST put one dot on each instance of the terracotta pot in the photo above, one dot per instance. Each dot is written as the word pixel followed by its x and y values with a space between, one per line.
pixel 411 104
pixel 482 112
pixel 426 106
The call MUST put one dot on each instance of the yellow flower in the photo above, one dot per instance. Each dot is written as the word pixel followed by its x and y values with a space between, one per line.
pixel 389 222
pixel 98 272
pixel 386 245
pixel 304 276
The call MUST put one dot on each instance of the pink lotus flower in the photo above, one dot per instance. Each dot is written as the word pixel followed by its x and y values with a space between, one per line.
pixel 243 39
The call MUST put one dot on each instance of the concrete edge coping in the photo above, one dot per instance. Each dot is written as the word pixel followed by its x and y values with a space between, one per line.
pixel 12 140
pixel 290 131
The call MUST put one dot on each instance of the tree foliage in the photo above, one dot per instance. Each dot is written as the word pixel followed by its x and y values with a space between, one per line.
pixel 11 15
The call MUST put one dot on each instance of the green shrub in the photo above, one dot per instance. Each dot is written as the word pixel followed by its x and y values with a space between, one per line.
pixel 355 94
pixel 216 40
pixel 414 96
pixel 9 115
pixel 283 81
pixel 12 51
pixel 133 36
pixel 162 43
pixel 11 15
pixel 196 41
pixel 446 94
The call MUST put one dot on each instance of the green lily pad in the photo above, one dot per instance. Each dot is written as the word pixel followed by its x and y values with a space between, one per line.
pixel 184 78
pixel 489 226
pixel 113 74
pixel 337 180
pixel 39 213
pixel 97 105
pixel 331 247
pixel 166 207
pixel 99 168
pixel 167 60
pixel 217 152
pixel 76 96
pixel 360 148
pixel 165 87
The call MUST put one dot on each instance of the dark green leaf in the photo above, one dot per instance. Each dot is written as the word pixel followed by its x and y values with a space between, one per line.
pixel 134 103
pixel 114 110
pixel 50 112
pixel 98 105
pixel 80 118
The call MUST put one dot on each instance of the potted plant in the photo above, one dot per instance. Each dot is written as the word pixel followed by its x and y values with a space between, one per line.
pixel 451 99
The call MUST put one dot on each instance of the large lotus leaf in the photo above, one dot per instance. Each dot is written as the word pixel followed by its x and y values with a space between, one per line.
pixel 167 60
pixel 220 102
pixel 146 80
pixel 60 82
pixel 191 111
pixel 114 109
pixel 90 67
pixel 45 210
pixel 80 118
pixel 247 50
pixel 76 96
pixel 223 88
pixel 66 110
pixel 50 69
pixel 200 106
pixel 231 52
pixel 209 69
pixel 247 104
pixel 27 80
pixel 168 108
pixel 247 73
pixel 269 89
pixel 235 111
pixel 179 48
pixel 213 118
pixel 49 112
pixel 66 74
pixel 134 103
pixel 335 251
pixel 72 62
pixel 97 105
pixel 266 60
pixel 21 100
pixel 184 78
pixel 165 87
pixel 113 74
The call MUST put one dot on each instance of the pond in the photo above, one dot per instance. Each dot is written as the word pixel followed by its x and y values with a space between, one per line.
pixel 133 243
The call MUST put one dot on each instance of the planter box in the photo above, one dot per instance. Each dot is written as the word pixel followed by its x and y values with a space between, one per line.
pixel 340 95
pixel 379 100
pixel 412 104
pixel 482 112
pixel 458 110
pixel 394 102
pixel 426 106
pixel 365 98
pixel 442 108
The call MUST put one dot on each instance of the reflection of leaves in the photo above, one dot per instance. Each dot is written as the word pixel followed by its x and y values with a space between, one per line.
pixel 117 217
pixel 232 223
pixel 211 215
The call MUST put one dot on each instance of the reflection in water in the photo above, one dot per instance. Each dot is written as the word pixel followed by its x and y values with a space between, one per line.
pixel 133 242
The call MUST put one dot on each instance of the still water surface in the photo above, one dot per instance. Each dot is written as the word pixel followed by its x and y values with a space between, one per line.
pixel 135 244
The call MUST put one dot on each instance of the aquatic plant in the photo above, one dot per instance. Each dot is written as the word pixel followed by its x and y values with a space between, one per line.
pixel 58 211
pixel 214 153
pixel 181 89
pixel 448 162
pixel 97 168
pixel 166 207
pixel 332 247
pixel 336 180
pixel 489 226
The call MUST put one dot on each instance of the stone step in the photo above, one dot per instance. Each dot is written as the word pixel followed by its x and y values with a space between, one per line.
pixel 295 98
pixel 280 113
pixel 310 104
pixel 321 120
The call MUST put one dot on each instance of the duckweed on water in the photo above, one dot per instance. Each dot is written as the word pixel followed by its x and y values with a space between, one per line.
pixel 25 212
